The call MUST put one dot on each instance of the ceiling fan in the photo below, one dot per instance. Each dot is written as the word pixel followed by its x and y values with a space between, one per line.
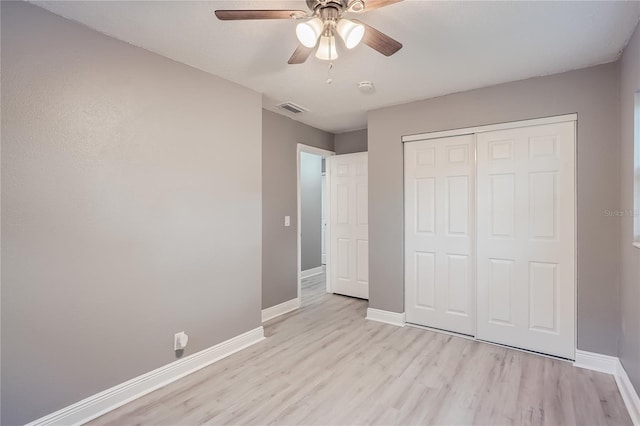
pixel 323 23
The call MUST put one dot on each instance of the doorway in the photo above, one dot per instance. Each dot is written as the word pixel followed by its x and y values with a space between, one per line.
pixel 312 227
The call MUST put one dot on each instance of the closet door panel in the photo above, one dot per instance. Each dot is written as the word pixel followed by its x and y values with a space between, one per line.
pixel 526 238
pixel 439 233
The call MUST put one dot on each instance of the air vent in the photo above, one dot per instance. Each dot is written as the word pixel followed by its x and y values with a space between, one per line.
pixel 293 108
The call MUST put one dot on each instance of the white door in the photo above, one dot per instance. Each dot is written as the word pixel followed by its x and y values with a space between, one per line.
pixel 526 234
pixel 348 225
pixel 439 233
pixel 323 252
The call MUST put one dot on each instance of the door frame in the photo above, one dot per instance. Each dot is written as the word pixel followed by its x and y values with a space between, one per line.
pixel 505 126
pixel 300 148
pixel 490 127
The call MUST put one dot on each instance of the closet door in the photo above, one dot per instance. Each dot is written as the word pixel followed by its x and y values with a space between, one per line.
pixel 348 266
pixel 439 229
pixel 526 238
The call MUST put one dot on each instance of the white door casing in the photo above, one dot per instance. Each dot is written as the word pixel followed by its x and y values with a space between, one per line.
pixel 439 233
pixel 323 223
pixel 348 225
pixel 526 238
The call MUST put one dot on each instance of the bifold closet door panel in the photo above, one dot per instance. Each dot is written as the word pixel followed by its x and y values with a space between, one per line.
pixel 526 238
pixel 439 230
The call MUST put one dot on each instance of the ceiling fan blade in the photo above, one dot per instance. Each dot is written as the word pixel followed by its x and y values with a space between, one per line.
pixel 300 55
pixel 236 15
pixel 377 4
pixel 379 41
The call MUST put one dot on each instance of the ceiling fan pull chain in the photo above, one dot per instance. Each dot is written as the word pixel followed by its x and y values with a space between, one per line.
pixel 329 78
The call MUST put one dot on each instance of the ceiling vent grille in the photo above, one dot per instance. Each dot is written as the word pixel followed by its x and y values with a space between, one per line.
pixel 292 108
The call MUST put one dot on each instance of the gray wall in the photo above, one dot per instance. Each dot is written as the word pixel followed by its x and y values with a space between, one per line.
pixel 310 210
pixel 280 136
pixel 131 206
pixel 350 142
pixel 593 94
pixel 630 256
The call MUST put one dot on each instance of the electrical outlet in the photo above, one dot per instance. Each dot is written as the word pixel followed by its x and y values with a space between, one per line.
pixel 180 341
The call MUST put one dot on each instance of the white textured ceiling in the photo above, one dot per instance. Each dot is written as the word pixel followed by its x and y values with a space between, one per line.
pixel 448 47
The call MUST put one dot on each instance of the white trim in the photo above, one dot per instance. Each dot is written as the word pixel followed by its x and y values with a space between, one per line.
pixel 311 272
pixel 596 362
pixel 324 154
pixel 354 154
pixel 327 229
pixel 575 237
pixel 281 309
pixel 612 365
pixel 490 127
pixel 636 170
pixel 629 394
pixel 313 150
pixel 387 317
pixel 112 398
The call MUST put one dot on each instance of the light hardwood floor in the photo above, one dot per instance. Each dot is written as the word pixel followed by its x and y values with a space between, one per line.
pixel 326 365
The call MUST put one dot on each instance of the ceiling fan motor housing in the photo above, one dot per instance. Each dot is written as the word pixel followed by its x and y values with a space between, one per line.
pixel 318 5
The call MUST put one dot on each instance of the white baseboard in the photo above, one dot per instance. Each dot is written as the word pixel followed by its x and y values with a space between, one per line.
pixel 596 362
pixel 311 272
pixel 386 317
pixel 282 308
pixel 629 394
pixel 612 365
pixel 110 399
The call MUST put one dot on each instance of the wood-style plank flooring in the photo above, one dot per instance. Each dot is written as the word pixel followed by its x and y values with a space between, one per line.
pixel 324 364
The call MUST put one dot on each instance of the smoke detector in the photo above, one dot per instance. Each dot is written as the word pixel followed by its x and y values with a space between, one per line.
pixel 366 86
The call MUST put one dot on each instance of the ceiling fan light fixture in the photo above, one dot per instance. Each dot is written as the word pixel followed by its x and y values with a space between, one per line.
pixel 327 48
pixel 308 32
pixel 350 32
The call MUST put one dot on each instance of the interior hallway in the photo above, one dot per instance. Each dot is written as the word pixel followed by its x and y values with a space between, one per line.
pixel 324 364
